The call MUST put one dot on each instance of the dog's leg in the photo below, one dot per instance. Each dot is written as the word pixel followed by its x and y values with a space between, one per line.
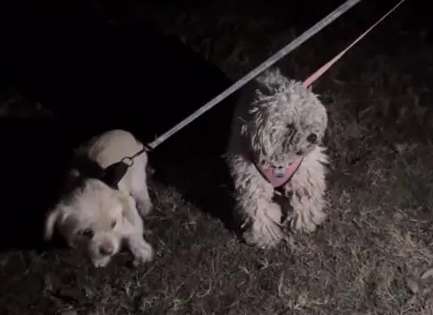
pixel 143 201
pixel 101 262
pixel 132 231
pixel 308 187
pixel 261 216
pixel 139 189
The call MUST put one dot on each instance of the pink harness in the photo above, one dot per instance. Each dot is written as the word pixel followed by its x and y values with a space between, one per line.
pixel 278 180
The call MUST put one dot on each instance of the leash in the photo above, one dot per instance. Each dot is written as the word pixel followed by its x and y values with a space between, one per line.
pixel 122 166
pixel 317 74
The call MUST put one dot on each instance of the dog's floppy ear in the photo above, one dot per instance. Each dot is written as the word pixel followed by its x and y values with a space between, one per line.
pixel 244 130
pixel 60 217
pixel 55 217
pixel 50 223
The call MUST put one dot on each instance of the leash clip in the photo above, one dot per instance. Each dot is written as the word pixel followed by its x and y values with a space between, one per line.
pixel 129 161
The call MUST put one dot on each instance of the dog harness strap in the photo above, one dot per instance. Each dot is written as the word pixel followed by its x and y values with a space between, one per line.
pixel 114 173
pixel 87 168
pixel 111 175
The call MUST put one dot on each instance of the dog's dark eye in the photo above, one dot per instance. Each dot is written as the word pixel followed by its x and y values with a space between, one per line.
pixel 87 233
pixel 300 152
pixel 113 224
pixel 312 138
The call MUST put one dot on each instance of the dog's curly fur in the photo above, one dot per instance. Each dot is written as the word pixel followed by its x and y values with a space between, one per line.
pixel 276 122
pixel 93 216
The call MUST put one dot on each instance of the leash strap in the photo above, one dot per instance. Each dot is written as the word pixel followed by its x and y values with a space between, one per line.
pixel 312 78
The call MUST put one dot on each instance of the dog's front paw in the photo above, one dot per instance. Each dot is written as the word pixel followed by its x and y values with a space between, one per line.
pixel 307 221
pixel 144 207
pixel 142 252
pixel 263 234
pixel 143 255
pixel 101 262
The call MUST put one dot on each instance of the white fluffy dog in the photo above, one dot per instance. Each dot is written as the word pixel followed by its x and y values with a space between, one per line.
pixel 100 216
pixel 276 160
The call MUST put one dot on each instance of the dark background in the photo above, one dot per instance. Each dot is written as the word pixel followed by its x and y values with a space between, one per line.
pixel 99 65
pixel 71 69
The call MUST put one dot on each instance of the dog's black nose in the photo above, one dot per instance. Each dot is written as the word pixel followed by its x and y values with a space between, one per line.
pixel 279 171
pixel 106 250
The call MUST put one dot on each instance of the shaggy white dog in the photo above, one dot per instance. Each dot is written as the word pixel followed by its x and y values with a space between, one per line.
pixel 99 214
pixel 276 160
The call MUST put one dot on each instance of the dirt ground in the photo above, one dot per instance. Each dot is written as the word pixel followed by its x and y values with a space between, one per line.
pixel 374 254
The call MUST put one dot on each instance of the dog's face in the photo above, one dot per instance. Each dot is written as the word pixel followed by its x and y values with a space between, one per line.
pixel 92 219
pixel 287 122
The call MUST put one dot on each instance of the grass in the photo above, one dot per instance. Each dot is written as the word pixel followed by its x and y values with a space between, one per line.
pixel 373 255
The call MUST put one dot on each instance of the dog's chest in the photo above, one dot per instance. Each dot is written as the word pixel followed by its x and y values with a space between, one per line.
pixel 283 197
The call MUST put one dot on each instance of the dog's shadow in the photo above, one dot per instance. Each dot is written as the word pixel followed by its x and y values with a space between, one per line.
pixel 193 163
pixel 33 161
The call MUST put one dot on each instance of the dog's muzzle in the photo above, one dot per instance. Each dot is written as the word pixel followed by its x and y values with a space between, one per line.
pixel 279 172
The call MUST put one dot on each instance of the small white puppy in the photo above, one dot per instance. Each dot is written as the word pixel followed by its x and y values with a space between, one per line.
pixel 99 214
